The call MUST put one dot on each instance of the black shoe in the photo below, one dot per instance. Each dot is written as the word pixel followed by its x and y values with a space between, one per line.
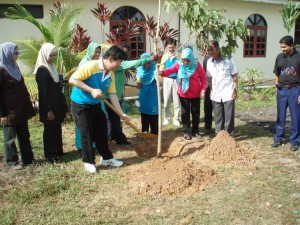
pixel 51 160
pixel 207 131
pixel 294 148
pixel 56 159
pixel 125 143
pixel 187 136
pixel 276 144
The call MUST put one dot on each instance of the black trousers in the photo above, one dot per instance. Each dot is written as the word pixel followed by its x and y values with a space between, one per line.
pixel 208 108
pixel 224 116
pixel 52 137
pixel 116 127
pixel 91 122
pixel 188 106
pixel 149 121
pixel 20 132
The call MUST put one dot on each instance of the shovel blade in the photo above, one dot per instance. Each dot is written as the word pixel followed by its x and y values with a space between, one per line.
pixel 147 135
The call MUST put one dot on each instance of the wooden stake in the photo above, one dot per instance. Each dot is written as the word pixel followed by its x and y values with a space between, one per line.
pixel 159 152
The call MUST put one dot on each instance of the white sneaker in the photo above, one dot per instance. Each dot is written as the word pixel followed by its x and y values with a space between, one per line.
pixel 166 122
pixel 91 168
pixel 176 123
pixel 111 162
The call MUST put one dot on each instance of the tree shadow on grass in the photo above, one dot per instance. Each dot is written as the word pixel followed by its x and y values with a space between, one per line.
pixel 258 129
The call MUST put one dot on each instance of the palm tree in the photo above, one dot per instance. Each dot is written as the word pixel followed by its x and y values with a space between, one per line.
pixel 58 29
pixel 289 15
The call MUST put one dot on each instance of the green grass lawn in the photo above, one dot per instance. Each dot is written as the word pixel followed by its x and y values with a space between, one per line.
pixel 64 193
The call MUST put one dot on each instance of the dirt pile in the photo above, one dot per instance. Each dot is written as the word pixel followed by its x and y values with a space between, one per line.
pixel 223 149
pixel 170 177
pixel 173 145
pixel 174 173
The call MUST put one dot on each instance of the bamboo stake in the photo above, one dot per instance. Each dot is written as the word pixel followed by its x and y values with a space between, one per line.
pixel 159 152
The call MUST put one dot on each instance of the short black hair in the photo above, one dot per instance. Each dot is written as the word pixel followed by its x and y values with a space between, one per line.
pixel 214 43
pixel 170 41
pixel 125 45
pixel 288 40
pixel 116 53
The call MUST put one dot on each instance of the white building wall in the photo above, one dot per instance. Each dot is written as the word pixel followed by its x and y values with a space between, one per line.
pixel 18 29
pixel 242 10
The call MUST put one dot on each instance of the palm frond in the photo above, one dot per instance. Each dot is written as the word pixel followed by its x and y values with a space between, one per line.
pixel 63 24
pixel 289 15
pixel 29 50
pixel 69 59
pixel 18 12
pixel 32 87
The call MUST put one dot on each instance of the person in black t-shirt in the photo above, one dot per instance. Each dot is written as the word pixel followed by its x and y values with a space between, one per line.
pixel 287 79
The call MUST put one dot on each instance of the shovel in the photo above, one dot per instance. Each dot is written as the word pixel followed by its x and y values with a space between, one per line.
pixel 139 134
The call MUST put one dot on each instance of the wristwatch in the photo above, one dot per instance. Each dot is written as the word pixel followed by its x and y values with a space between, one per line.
pixel 235 89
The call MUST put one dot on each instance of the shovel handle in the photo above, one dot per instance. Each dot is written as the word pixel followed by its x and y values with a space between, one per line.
pixel 119 114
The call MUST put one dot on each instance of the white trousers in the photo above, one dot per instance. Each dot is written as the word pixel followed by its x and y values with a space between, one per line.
pixel 170 89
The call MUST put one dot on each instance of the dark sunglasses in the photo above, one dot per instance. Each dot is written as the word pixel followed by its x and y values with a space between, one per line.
pixel 17 53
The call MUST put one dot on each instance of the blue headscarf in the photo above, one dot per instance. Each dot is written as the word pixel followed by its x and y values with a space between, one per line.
pixel 7 51
pixel 185 72
pixel 146 75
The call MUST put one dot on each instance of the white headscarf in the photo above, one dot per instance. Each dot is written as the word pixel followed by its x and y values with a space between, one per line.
pixel 42 60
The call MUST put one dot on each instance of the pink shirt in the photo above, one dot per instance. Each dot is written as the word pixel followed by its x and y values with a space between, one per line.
pixel 197 81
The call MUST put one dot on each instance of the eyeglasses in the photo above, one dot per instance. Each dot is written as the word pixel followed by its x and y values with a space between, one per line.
pixel 17 53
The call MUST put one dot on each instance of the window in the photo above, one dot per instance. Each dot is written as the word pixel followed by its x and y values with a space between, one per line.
pixel 256 44
pixel 37 11
pixel 119 20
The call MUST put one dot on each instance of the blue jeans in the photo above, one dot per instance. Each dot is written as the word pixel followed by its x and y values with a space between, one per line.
pixel 20 132
pixel 288 97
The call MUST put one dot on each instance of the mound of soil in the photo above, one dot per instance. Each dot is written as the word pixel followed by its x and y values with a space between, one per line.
pixel 170 177
pixel 172 146
pixel 223 149
pixel 174 174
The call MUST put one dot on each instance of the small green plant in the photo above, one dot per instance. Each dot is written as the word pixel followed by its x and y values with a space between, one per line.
pixel 250 77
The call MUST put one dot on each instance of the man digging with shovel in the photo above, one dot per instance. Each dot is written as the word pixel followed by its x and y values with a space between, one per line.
pixel 90 82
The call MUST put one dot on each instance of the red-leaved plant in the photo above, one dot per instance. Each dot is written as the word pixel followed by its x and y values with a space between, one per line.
pixel 103 14
pixel 164 30
pixel 80 40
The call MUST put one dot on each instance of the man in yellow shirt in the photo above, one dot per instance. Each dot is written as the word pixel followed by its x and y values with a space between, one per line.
pixel 91 82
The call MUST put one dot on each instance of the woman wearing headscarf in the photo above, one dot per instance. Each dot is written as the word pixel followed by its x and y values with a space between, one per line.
pixel 148 95
pixel 51 101
pixel 15 107
pixel 191 87
pixel 93 53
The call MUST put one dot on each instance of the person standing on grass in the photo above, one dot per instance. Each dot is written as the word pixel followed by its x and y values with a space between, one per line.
pixel 287 80
pixel 191 87
pixel 93 53
pixel 15 107
pixel 120 79
pixel 148 98
pixel 224 86
pixel 208 108
pixel 52 107
pixel 91 82
pixel 170 86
